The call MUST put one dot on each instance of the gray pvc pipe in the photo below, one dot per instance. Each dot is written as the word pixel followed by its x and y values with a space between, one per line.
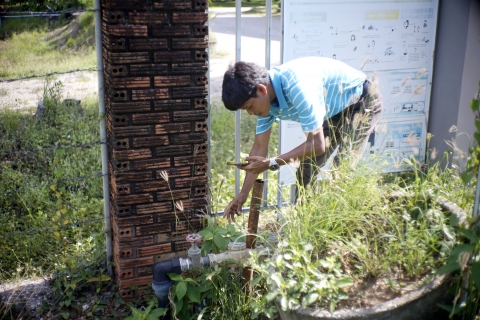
pixel 103 136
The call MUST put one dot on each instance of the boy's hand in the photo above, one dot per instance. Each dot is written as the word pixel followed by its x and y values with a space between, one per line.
pixel 234 207
pixel 256 164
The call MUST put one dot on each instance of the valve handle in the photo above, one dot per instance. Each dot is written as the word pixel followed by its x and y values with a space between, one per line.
pixel 194 238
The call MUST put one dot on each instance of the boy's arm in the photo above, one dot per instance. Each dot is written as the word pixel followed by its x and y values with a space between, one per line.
pixel 313 146
pixel 259 148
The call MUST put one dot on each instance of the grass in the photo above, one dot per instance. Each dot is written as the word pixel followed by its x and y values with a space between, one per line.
pixel 44 50
pixel 351 230
pixel 40 185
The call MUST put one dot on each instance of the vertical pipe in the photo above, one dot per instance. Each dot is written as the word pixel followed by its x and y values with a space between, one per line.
pixel 103 136
pixel 238 41
pixel 253 216
pixel 268 27
pixel 254 213
pixel 477 196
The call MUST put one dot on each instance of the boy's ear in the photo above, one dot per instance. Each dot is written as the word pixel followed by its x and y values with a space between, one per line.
pixel 262 88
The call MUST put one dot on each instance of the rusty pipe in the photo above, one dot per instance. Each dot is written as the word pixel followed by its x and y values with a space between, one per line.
pixel 253 215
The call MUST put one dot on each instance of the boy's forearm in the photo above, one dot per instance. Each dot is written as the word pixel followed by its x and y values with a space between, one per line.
pixel 314 146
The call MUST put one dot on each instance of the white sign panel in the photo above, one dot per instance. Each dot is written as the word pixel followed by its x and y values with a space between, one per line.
pixel 394 39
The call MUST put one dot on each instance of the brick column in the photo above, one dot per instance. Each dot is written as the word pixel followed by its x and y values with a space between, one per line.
pixel 155 95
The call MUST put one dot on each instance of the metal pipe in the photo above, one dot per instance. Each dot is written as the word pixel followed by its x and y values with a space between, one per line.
pixel 255 204
pixel 103 136
pixel 238 42
pixel 268 27
pixel 254 214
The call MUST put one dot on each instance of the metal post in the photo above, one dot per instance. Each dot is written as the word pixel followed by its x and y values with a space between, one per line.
pixel 103 136
pixel 268 27
pixel 238 41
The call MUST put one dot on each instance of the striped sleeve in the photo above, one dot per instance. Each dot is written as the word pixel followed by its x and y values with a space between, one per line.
pixel 264 123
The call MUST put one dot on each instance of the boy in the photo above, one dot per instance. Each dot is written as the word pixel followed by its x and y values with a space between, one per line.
pixel 334 103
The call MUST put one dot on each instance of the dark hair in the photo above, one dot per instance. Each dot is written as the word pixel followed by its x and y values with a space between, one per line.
pixel 240 83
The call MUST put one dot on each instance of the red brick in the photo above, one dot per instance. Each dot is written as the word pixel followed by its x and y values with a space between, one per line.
pixel 134 221
pixel 154 250
pixel 190 43
pixel 130 83
pixel 147 18
pixel 150 94
pixel 191 160
pixel 189 138
pixel 128 57
pixel 148 44
pixel 151 118
pixel 130 107
pixel 134 242
pixel 151 186
pixel 133 177
pixel 172 128
pixel 190 115
pixel 170 4
pixel 137 281
pixel 127 31
pixel 190 182
pixel 171 81
pixel 171 56
pixel 190 92
pixel 151 164
pixel 134 199
pixel 148 69
pixel 173 150
pixel 132 154
pixel 178 104
pixel 154 208
pixel 193 67
pixel 154 141
pixel 131 131
pixel 126 4
pixel 171 31
pixel 137 262
pixel 189 17
pixel 173 195
pixel 153 229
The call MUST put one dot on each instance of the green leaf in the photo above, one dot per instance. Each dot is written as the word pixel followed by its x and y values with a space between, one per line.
pixel 193 294
pixel 66 315
pixel 156 313
pixel 231 229
pixel 220 242
pixel 344 282
pixel 466 176
pixel 475 105
pixel 309 299
pixel 450 309
pixel 459 249
pixel 477 124
pixel 207 247
pixel 175 277
pixel 448 268
pixel 453 220
pixel 206 234
pixel 271 295
pixel 476 135
pixel 467 233
pixel 180 290
pixel 476 274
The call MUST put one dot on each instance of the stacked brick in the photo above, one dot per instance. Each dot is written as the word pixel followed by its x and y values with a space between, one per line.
pixel 155 64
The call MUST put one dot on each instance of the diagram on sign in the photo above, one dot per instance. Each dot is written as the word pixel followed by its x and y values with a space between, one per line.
pixel 371 40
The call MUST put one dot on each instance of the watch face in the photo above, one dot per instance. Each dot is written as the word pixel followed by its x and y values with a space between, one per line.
pixel 274 167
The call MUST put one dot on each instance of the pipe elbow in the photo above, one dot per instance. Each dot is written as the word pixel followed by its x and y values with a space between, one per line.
pixel 161 270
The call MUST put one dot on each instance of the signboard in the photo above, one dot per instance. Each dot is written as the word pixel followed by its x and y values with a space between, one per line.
pixel 392 38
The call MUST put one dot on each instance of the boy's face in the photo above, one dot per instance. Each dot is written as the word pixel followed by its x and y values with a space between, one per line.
pixel 259 106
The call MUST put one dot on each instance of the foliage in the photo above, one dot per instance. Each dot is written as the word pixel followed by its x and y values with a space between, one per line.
pixel 42 194
pixel 42 51
pixel 216 238
pixel 149 313
pixel 80 279
pixel 214 294
pixel 390 228
pixel 464 260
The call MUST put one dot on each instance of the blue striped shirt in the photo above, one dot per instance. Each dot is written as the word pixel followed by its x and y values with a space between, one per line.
pixel 310 90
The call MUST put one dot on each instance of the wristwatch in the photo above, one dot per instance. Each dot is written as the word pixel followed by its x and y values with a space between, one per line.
pixel 274 166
